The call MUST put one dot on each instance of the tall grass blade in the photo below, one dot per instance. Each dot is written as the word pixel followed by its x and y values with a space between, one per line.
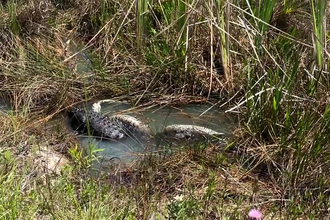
pixel 265 13
pixel 141 10
pixel 223 19
pixel 266 10
pixel 14 24
pixel 180 13
pixel 181 18
pixel 319 20
pixel 211 49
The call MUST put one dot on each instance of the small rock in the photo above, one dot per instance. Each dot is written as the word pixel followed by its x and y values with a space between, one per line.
pixel 50 162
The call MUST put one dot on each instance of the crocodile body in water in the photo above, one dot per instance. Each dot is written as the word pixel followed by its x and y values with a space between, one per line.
pixel 128 137
pixel 118 127
pixel 115 127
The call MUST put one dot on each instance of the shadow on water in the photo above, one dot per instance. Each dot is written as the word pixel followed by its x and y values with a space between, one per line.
pixel 128 150
pixel 4 106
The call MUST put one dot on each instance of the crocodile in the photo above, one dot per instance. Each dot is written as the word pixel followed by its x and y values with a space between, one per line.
pixel 115 127
pixel 190 132
pixel 120 126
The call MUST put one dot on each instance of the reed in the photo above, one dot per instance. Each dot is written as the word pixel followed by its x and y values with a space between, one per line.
pixel 141 10
pixel 223 13
pixel 14 25
pixel 181 16
pixel 319 23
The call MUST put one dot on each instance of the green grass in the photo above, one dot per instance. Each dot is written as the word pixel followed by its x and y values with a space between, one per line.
pixel 278 158
pixel 142 9
pixel 319 9
pixel 14 25
pixel 223 16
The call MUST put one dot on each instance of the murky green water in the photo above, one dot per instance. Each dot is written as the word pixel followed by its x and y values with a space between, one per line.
pixel 157 118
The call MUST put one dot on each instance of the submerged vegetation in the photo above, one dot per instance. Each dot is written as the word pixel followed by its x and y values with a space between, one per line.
pixel 266 61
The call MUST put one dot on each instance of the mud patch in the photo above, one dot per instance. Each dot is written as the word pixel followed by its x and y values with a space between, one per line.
pixel 50 162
